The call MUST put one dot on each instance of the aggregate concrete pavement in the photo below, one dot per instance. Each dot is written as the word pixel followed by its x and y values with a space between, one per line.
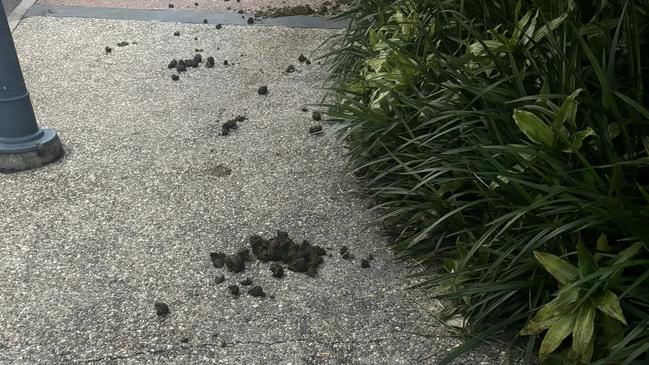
pixel 198 5
pixel 131 214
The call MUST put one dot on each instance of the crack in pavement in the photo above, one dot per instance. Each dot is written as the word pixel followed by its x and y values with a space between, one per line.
pixel 238 343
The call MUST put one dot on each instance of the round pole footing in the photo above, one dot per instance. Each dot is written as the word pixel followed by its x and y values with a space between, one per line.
pixel 26 155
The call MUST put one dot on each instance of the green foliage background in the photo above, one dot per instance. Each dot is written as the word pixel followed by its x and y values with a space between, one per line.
pixel 507 143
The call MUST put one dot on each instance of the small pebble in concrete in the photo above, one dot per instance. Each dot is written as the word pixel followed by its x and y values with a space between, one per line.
pixel 210 62
pixel 108 49
pixel 305 109
pixel 257 291
pixel 308 62
pixel 234 289
pixel 218 259
pixel 171 6
pixel 204 21
pixel 234 263
pixel 122 44
pixel 219 26
pixel 263 90
pixel 365 263
pixel 246 282
pixel 225 62
pixel 161 309
pixel 172 64
pixel 177 33
pixel 219 279
pixel 198 50
pixel 195 4
pixel 315 129
pixel 316 116
pixel 175 77
pixel 277 270
pixel 195 38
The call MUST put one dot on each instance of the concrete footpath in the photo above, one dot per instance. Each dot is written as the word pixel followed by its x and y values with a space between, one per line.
pixel 149 188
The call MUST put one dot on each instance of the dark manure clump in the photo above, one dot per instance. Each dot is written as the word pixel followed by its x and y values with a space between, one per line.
pixel 303 257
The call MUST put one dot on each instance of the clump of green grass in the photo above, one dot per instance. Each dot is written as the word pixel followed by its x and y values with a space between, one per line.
pixel 508 144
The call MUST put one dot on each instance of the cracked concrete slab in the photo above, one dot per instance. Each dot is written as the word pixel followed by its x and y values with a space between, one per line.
pixel 130 216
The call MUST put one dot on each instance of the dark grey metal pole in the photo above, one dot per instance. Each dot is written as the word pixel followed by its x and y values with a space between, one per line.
pixel 23 145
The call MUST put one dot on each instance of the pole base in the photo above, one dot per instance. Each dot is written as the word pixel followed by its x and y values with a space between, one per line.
pixel 30 155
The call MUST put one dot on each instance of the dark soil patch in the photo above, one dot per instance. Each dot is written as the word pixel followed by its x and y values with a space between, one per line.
pixel 161 309
pixel 244 253
pixel 231 124
pixel 219 170
pixel 235 263
pixel 344 252
pixel 277 270
pixel 218 259
pixel 181 66
pixel 257 291
pixel 263 90
pixel 234 289
pixel 302 257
